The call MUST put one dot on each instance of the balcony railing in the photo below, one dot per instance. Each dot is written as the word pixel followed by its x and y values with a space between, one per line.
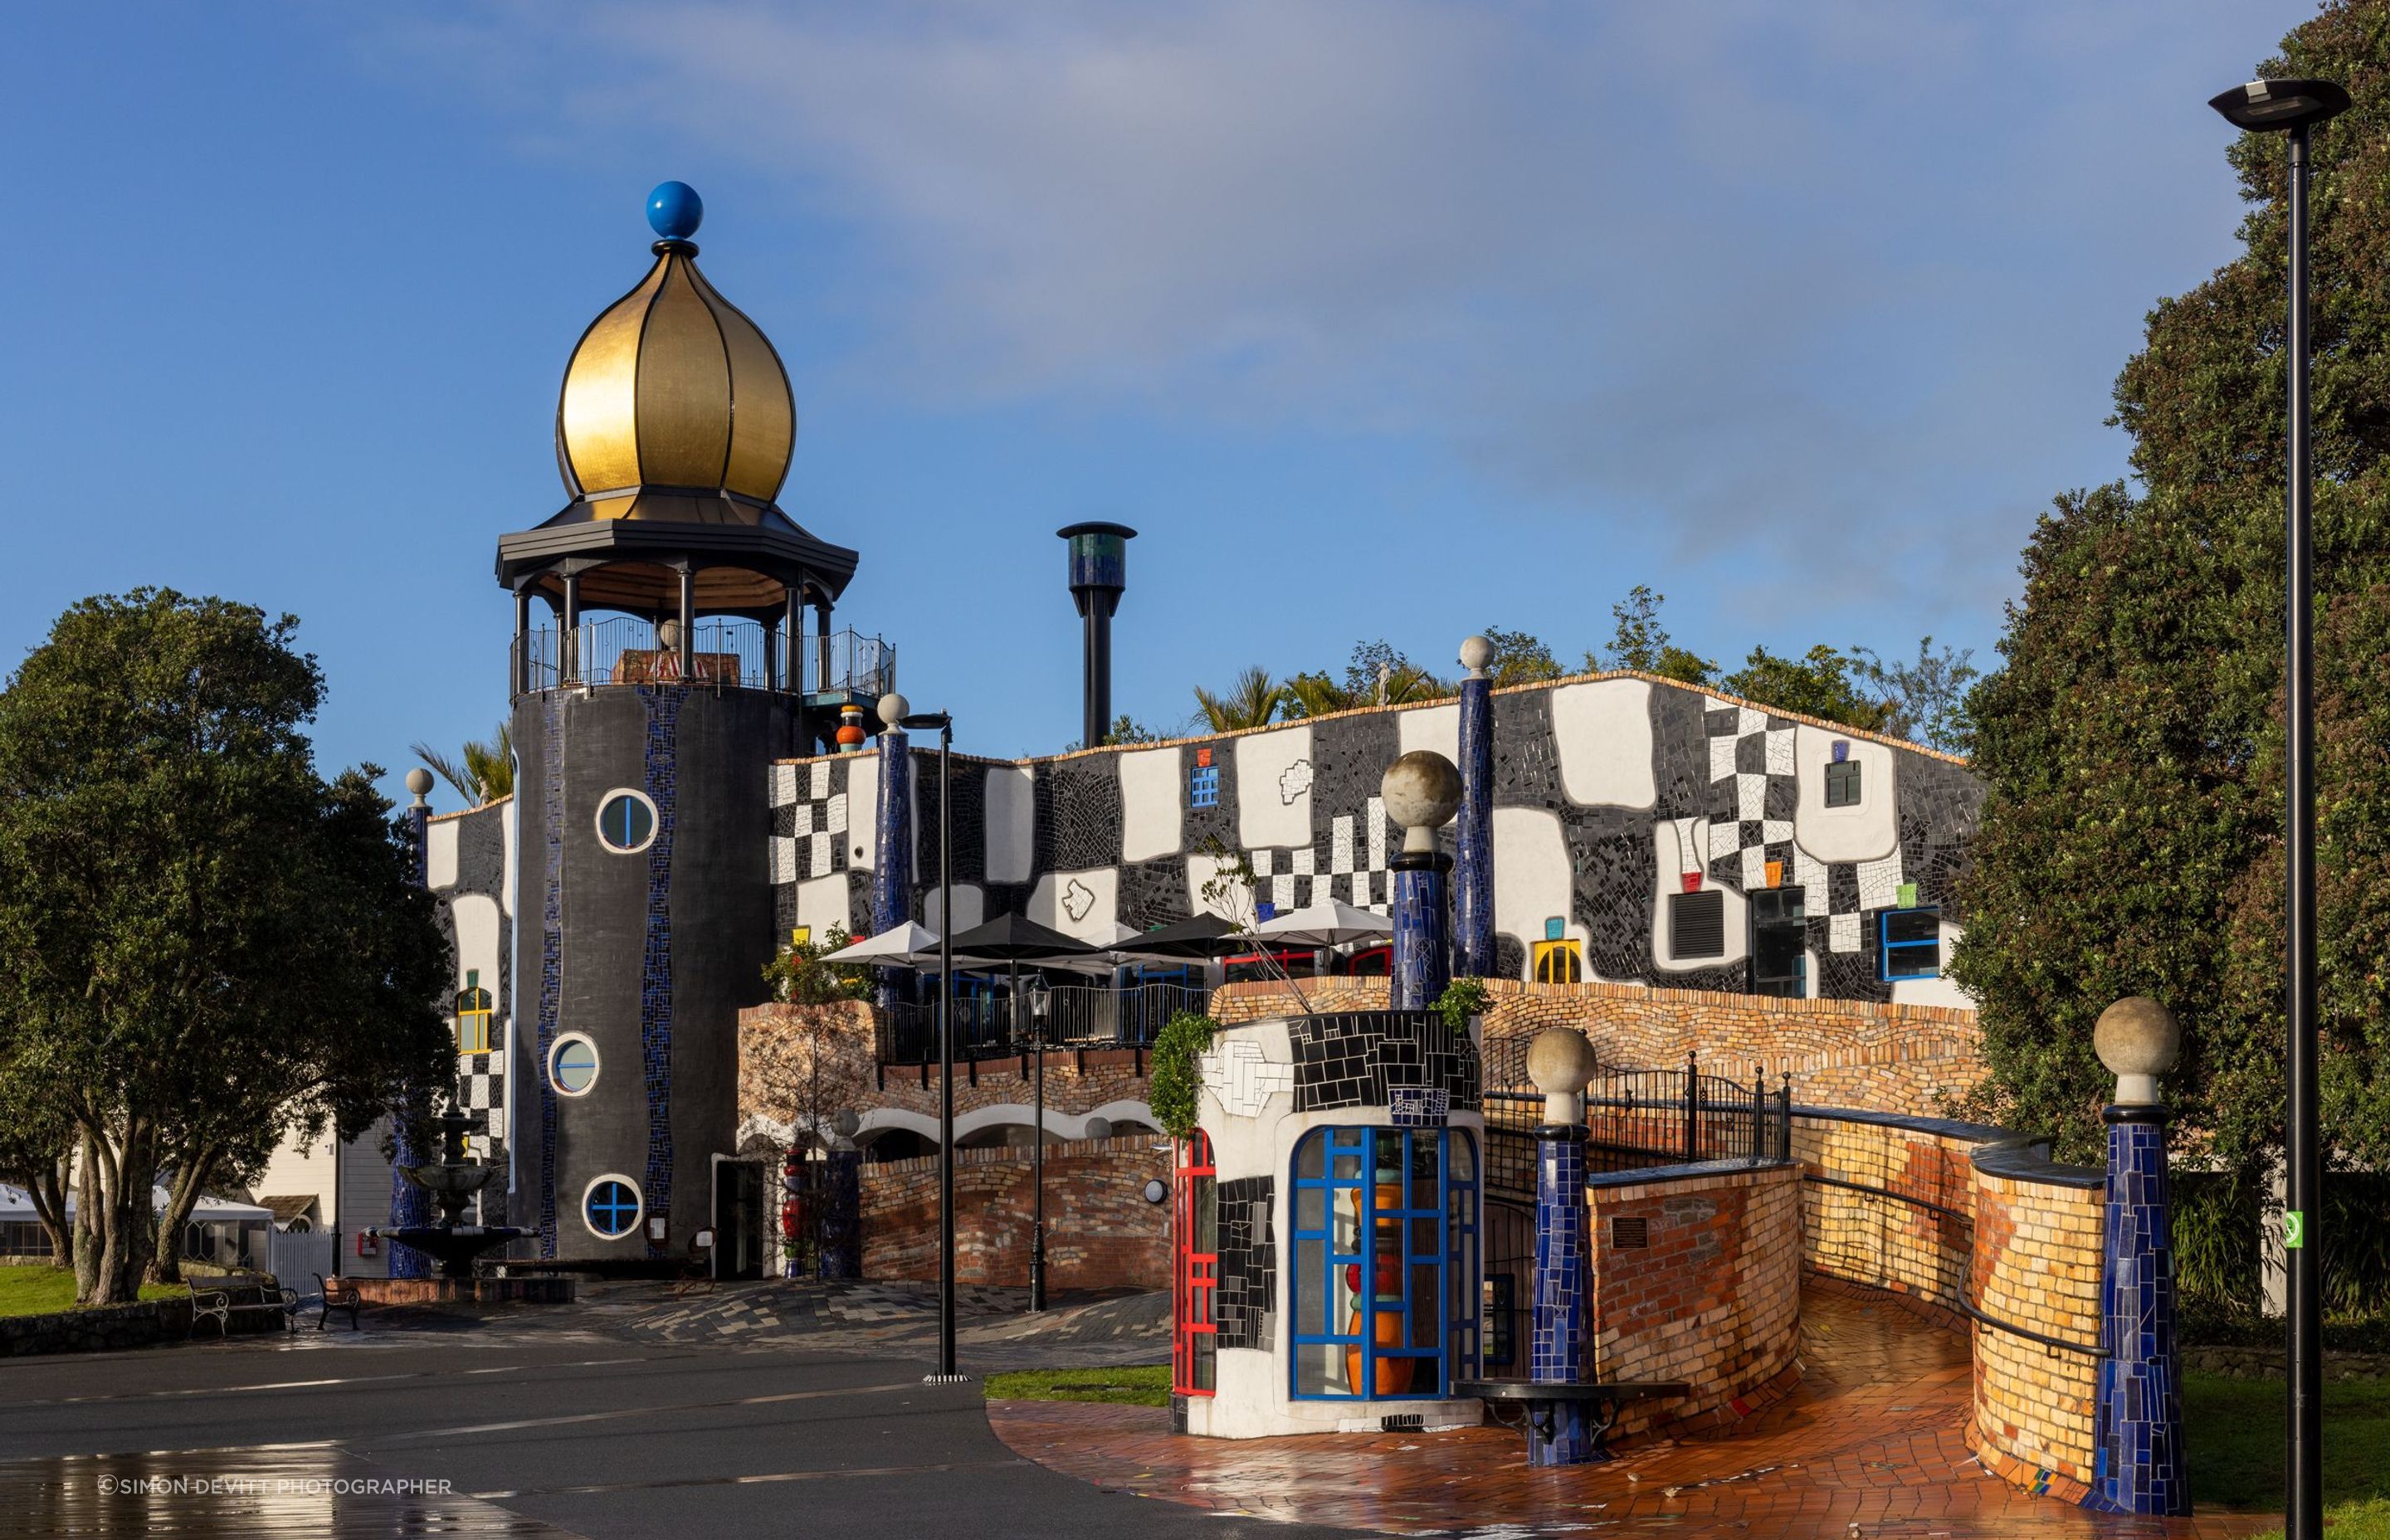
pixel 1073 1018
pixel 726 653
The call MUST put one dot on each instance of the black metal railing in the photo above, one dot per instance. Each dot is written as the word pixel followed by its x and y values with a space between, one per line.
pixel 1071 1018
pixel 726 652
pixel 1640 1118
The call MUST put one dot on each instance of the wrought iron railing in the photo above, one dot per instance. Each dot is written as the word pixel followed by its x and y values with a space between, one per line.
pixel 1638 1117
pixel 1072 1017
pixel 726 652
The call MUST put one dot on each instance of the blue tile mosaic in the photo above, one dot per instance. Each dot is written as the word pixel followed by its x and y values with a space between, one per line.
pixel 410 1204
pixel 1472 900
pixel 892 875
pixel 659 767
pixel 1562 1287
pixel 551 961
pixel 2137 1454
pixel 1422 916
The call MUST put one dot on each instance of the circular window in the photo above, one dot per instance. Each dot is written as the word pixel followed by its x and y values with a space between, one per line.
pixel 573 1065
pixel 610 1206
pixel 627 821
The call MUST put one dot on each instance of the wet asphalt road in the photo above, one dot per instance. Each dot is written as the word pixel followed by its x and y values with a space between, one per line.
pixel 407 1433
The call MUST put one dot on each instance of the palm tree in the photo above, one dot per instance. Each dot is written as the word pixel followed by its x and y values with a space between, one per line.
pixel 1316 695
pixel 487 773
pixel 1253 701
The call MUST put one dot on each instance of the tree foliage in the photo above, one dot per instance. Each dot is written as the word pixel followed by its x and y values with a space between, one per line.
pixel 2133 742
pixel 1176 1074
pixel 483 771
pixel 1252 701
pixel 203 946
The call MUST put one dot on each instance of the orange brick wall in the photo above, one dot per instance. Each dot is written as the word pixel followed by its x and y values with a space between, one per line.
pixel 1713 1300
pixel 2037 1263
pixel 1906 1059
pixel 1076 1082
pixel 1100 1233
pixel 1882 1242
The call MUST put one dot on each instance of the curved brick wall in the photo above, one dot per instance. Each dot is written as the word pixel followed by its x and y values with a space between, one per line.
pixel 2037 1263
pixel 1906 1059
pixel 1713 1298
pixel 1100 1233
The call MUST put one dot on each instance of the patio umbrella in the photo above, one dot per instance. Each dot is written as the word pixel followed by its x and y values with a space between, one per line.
pixel 1330 924
pixel 1015 939
pixel 907 945
pixel 1195 939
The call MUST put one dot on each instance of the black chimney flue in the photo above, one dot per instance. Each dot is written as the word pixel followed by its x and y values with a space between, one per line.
pixel 1098 572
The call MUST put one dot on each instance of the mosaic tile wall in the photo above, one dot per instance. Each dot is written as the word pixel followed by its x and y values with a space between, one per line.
pixel 1732 769
pixel 551 956
pixel 1354 1059
pixel 2137 1458
pixel 660 783
pixel 1247 1300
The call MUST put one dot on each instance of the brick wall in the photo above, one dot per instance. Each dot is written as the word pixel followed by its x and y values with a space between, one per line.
pixel 774 1041
pixel 1906 1059
pixel 1912 1249
pixel 2037 1263
pixel 1100 1233
pixel 1713 1298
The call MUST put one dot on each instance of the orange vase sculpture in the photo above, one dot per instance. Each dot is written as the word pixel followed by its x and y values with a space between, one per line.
pixel 1385 1294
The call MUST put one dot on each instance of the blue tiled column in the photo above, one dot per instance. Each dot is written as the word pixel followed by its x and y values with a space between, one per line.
pixel 1563 1288
pixel 891 876
pixel 1473 835
pixel 2137 1465
pixel 842 1217
pixel 1422 949
pixel 410 1204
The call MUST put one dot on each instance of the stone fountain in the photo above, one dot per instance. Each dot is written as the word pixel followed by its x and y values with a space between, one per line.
pixel 452 1182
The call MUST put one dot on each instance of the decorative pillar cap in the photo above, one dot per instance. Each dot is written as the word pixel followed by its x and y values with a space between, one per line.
pixel 1560 1061
pixel 2138 1040
pixel 1475 653
pixel 893 710
pixel 1421 791
pixel 418 781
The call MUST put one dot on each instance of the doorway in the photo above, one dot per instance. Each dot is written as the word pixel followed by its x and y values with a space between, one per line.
pixel 739 1237
pixel 1779 938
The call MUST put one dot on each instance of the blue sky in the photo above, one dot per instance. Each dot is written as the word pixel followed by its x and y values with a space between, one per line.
pixel 1379 318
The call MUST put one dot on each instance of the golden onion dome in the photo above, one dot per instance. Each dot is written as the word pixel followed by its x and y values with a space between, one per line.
pixel 674 397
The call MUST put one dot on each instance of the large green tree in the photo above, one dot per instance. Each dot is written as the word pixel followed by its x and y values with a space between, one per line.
pixel 2133 743
pixel 203 946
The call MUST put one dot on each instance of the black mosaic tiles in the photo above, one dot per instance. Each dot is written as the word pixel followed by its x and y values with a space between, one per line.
pixel 1248 1286
pixel 1353 1059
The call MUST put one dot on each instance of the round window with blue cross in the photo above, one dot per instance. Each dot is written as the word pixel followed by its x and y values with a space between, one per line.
pixel 627 821
pixel 612 1208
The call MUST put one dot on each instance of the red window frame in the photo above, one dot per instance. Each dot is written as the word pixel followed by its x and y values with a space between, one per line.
pixel 1196 1277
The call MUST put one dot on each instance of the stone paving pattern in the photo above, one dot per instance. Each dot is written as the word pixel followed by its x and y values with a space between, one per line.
pixel 1874 1442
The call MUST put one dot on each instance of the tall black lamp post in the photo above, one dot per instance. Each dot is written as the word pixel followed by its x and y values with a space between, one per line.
pixel 2294 106
pixel 945 722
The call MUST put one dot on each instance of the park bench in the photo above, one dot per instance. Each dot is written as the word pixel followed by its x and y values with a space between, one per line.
pixel 1541 1399
pixel 338 1293
pixel 221 1304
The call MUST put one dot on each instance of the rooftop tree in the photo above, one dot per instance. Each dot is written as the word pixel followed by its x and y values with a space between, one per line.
pixel 203 945
pixel 2133 743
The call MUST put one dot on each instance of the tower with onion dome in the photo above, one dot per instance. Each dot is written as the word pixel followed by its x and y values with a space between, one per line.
pixel 660 664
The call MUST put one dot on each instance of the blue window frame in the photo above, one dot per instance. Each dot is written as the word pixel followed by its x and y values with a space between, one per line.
pixel 612 1208
pixel 627 821
pixel 1909 943
pixel 1203 785
pixel 1399 1208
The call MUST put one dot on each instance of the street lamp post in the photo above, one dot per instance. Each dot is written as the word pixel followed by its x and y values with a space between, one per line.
pixel 1037 1161
pixel 2294 106
pixel 945 722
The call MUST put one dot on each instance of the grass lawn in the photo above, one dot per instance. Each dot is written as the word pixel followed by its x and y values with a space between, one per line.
pixel 40 1291
pixel 2233 1429
pixel 1141 1385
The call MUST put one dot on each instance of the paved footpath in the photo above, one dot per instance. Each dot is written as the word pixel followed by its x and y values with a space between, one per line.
pixel 1870 1444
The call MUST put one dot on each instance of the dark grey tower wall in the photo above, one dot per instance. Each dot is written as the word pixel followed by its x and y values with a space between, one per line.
pixel 649 954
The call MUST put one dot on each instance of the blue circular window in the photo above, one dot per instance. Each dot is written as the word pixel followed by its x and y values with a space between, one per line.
pixel 611 1206
pixel 626 822
pixel 572 1064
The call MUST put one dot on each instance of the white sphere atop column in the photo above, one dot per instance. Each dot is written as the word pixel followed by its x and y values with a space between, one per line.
pixel 1560 1061
pixel 1475 653
pixel 1421 791
pixel 893 710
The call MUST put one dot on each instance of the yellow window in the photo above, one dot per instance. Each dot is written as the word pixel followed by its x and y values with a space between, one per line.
pixel 472 1015
pixel 1558 962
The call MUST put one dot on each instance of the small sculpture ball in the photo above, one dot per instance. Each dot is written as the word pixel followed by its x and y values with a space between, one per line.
pixel 1099 1128
pixel 418 781
pixel 2137 1037
pixel 893 710
pixel 1475 653
pixel 845 1123
pixel 674 210
pixel 1422 789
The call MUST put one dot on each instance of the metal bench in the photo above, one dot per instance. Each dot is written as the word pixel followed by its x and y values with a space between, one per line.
pixel 1541 1400
pixel 336 1293
pixel 221 1306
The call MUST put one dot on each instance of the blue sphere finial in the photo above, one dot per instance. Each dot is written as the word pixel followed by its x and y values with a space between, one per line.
pixel 674 210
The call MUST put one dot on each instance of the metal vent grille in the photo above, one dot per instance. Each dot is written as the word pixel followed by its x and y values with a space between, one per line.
pixel 1697 924
pixel 1402 1422
pixel 1629 1232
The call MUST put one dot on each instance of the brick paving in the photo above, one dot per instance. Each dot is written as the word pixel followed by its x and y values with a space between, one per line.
pixel 1871 1444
